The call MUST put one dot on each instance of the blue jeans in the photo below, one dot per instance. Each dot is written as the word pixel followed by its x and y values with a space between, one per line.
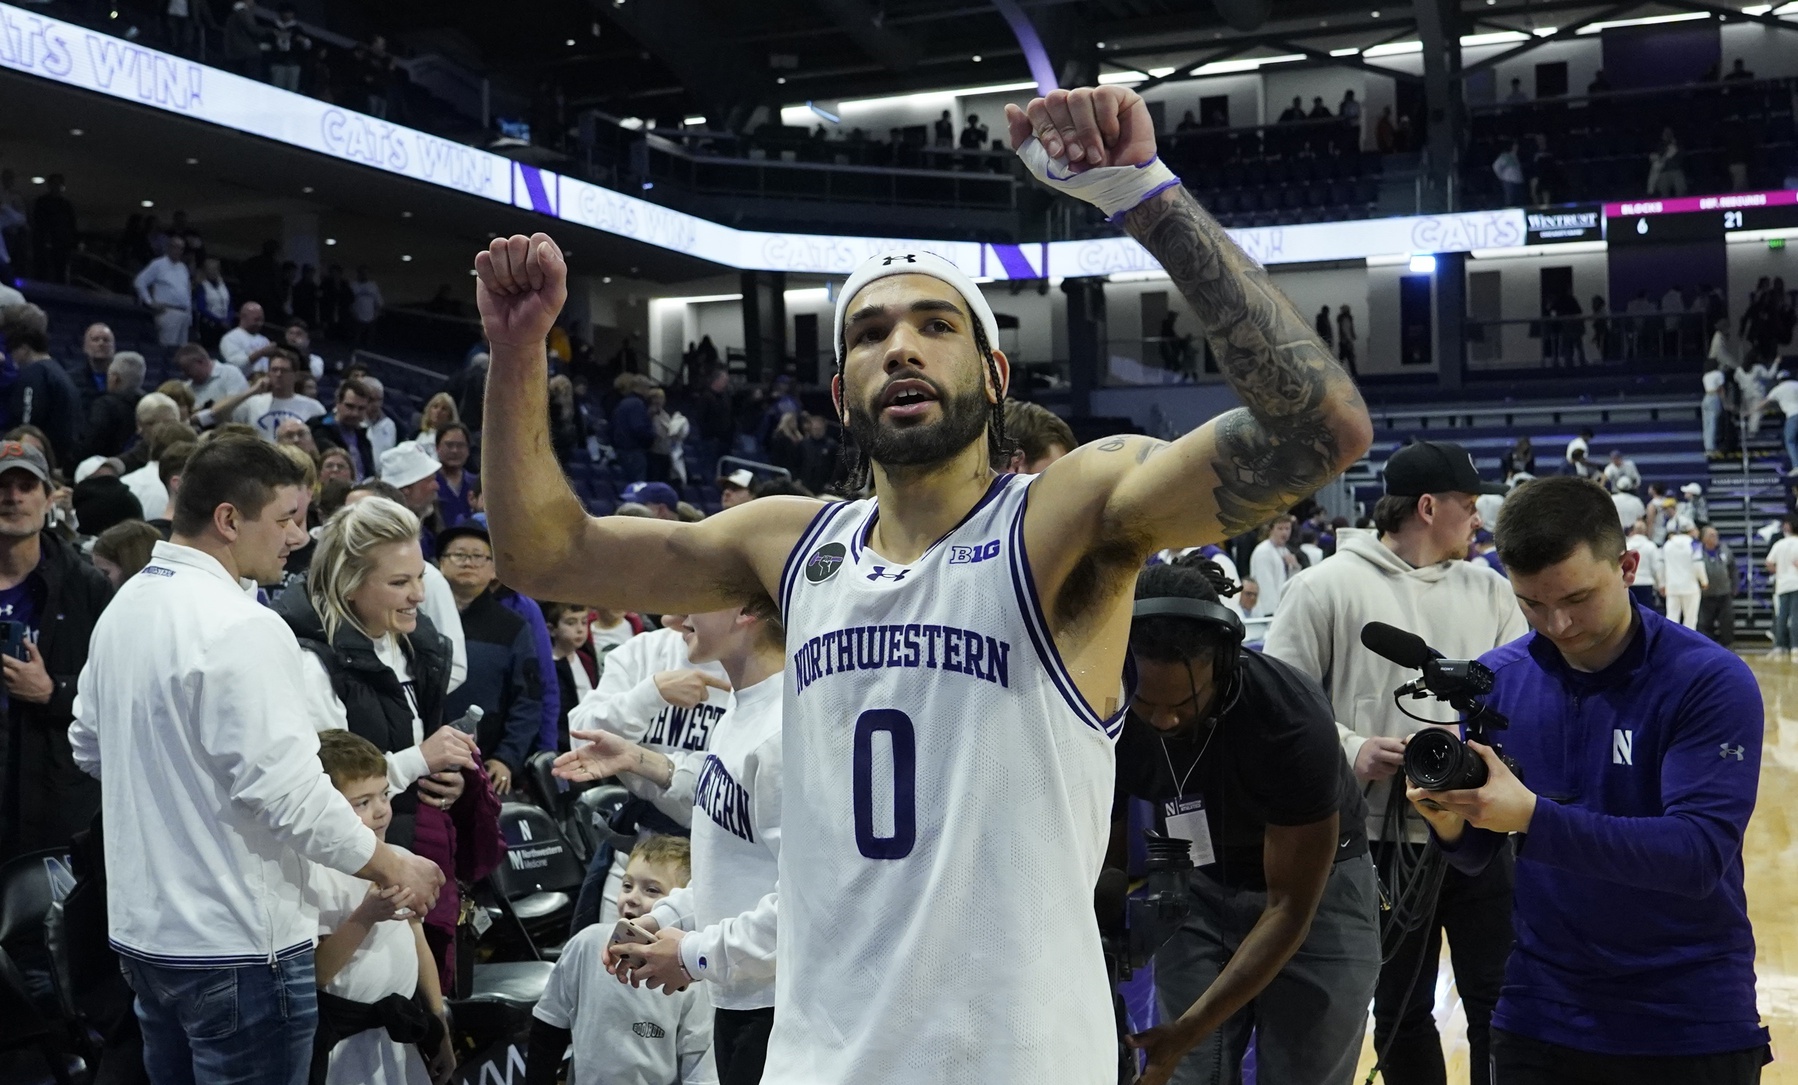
pixel 1791 436
pixel 1713 413
pixel 1785 620
pixel 250 1025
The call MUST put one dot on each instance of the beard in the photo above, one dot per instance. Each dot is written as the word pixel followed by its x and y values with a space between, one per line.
pixel 965 418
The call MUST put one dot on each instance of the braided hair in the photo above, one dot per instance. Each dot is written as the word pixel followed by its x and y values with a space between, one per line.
pixel 1170 638
pixel 854 470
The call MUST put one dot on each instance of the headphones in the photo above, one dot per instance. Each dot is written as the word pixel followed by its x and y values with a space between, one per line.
pixel 1219 617
pixel 1198 610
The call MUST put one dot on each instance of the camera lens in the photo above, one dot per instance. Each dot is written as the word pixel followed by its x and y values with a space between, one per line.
pixel 1436 760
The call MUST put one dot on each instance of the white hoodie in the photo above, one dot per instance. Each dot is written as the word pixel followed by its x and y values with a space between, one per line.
pixel 1462 609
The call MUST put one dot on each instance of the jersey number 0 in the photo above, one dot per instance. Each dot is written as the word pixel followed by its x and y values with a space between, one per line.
pixel 898 728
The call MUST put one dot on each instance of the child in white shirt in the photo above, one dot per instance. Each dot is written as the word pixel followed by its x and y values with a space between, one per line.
pixel 623 1035
pixel 371 944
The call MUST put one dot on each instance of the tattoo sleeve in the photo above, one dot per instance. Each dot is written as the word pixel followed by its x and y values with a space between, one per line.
pixel 1288 441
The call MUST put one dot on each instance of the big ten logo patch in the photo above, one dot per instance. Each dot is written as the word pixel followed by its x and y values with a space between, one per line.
pixel 967 555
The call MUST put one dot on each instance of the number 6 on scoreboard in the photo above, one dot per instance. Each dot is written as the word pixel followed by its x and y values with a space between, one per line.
pixel 898 728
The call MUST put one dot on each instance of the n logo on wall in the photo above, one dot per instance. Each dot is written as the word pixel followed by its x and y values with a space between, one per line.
pixel 1623 747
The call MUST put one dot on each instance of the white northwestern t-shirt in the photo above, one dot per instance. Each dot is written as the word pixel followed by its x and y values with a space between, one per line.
pixel 266 412
pixel 625 1035
pixel 1784 558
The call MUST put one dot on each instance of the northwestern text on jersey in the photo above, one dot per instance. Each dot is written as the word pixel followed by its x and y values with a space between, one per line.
pixel 876 647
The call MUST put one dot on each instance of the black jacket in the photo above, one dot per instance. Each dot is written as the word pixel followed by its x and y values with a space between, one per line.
pixel 374 703
pixel 44 397
pixel 44 798
pixel 504 678
pixel 110 424
pixel 326 435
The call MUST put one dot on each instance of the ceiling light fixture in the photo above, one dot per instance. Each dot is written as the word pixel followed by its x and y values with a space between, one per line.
pixel 1375 14
pixel 405 214
pixel 1684 16
pixel 569 43
pixel 605 278
pixel 37 180
pixel 330 241
pixel 307 190
pixel 781 79
pixel 193 161
pixel 75 132
pixel 406 258
pixel 146 203
pixel 977 58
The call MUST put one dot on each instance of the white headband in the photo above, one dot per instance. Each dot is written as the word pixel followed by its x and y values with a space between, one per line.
pixel 914 262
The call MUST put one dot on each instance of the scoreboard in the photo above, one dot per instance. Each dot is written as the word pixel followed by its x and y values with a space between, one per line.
pixel 1698 218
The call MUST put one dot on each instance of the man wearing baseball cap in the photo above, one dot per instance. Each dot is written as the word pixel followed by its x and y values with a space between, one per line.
pixel 733 489
pixel 1412 572
pixel 411 470
pixel 659 497
pixel 49 601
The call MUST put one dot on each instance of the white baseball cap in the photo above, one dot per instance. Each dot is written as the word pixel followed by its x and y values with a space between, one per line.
pixel 741 478
pixel 406 463
pixel 1691 489
pixel 914 262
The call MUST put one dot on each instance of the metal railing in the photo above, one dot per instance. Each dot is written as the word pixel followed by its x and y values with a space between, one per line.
pixel 1644 342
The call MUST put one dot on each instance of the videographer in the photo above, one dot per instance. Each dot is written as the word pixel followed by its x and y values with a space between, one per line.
pixel 1640 742
pixel 1412 574
pixel 1238 753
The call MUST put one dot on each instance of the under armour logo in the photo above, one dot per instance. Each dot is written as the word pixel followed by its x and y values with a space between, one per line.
pixel 880 573
pixel 1729 751
pixel 908 258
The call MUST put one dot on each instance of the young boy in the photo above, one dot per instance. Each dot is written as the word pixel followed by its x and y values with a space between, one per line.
pixel 371 947
pixel 623 1035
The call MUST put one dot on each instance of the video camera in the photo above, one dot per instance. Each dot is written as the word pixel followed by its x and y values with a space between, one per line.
pixel 1436 759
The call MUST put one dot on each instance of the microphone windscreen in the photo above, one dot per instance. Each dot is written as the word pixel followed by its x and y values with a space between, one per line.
pixel 1400 646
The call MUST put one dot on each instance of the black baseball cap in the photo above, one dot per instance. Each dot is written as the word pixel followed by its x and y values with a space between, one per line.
pixel 1435 467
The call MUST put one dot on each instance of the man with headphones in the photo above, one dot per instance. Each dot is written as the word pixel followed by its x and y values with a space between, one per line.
pixel 1237 752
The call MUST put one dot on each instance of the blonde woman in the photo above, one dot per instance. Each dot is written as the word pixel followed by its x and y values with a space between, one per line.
pixel 379 668
pixel 440 411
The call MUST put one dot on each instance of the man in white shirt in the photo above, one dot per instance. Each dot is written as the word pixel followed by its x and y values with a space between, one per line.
pixel 722 928
pixel 1646 588
pixel 650 693
pixel 1271 563
pixel 245 345
pixel 383 434
pixel 1629 506
pixel 1683 578
pixel 1619 469
pixel 267 410
pixel 190 714
pixel 1782 562
pixel 1785 393
pixel 209 381
pixel 165 285
pixel 1581 443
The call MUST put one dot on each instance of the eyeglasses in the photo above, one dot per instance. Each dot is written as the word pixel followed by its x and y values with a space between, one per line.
pixel 468 559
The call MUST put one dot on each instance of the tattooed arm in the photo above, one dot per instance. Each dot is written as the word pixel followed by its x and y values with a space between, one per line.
pixel 1303 421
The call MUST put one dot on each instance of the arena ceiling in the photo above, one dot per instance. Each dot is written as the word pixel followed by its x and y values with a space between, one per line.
pixel 666 59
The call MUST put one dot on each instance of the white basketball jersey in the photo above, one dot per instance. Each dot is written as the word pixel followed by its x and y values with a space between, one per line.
pixel 945 814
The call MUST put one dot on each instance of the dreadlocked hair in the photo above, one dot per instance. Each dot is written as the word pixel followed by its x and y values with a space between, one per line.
pixel 855 473
pixel 1212 571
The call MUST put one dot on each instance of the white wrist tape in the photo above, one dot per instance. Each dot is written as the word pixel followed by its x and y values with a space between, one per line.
pixel 1114 190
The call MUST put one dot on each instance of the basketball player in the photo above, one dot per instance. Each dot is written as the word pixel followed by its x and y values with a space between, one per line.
pixel 956 644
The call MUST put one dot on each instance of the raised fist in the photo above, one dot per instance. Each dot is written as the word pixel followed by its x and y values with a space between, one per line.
pixel 521 283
